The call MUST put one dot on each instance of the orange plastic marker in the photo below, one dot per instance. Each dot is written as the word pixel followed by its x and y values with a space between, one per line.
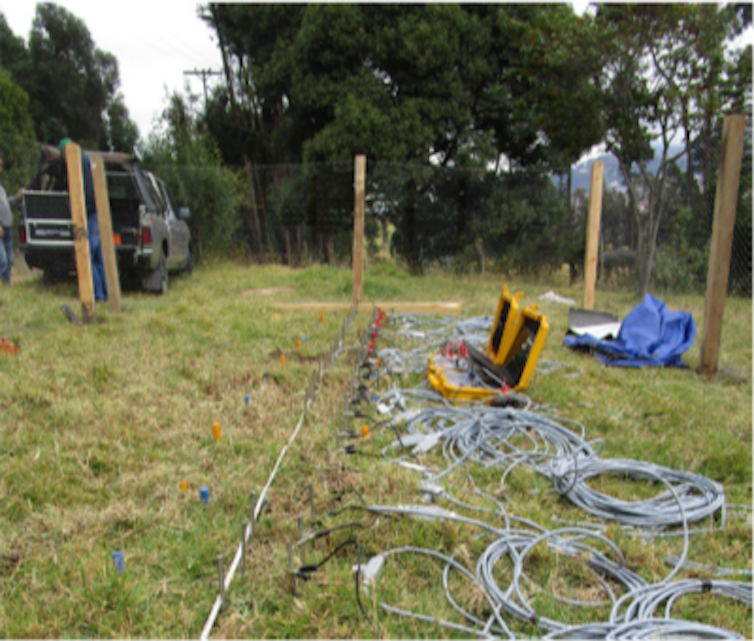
pixel 183 485
pixel 282 359
pixel 216 430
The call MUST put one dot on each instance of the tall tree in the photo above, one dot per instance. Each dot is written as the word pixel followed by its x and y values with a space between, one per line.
pixel 13 53
pixel 656 92
pixel 16 134
pixel 72 84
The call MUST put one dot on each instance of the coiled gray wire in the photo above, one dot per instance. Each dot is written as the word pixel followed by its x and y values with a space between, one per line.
pixel 507 437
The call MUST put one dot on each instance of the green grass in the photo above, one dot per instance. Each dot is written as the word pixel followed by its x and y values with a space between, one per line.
pixel 100 424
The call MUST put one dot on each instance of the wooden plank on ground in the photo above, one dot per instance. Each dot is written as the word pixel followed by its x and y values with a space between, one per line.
pixel 399 307
pixel 726 201
pixel 80 236
pixel 102 200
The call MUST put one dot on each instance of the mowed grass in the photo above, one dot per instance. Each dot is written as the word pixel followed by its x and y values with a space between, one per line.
pixel 100 424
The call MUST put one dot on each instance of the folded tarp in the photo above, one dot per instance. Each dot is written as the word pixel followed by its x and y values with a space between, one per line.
pixel 649 336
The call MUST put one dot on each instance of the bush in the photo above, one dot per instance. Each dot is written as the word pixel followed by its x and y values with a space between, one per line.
pixel 681 269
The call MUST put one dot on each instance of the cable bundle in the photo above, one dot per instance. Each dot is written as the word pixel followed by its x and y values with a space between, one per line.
pixel 690 497
pixel 504 437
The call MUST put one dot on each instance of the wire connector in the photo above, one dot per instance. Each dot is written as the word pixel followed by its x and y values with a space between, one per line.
pixel 371 570
pixel 427 443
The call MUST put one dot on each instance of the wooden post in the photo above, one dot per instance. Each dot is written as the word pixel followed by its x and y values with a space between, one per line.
pixel 593 235
pixel 726 201
pixel 80 236
pixel 358 228
pixel 104 216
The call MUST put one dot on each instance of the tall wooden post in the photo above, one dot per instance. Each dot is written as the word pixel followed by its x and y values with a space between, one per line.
pixel 593 235
pixel 80 235
pixel 358 227
pixel 726 200
pixel 102 201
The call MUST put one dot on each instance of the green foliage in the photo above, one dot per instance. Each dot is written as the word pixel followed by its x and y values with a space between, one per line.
pixel 72 85
pixel 665 79
pixel 681 269
pixel 16 135
pixel 289 199
pixel 186 157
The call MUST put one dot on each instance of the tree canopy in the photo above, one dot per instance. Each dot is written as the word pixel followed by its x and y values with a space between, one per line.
pixel 72 85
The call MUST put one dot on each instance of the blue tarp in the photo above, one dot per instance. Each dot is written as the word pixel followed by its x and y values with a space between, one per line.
pixel 649 336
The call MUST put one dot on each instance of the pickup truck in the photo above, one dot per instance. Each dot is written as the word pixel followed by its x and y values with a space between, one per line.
pixel 151 240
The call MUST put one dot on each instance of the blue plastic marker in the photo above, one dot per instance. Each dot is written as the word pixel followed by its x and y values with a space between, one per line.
pixel 204 494
pixel 246 399
pixel 118 561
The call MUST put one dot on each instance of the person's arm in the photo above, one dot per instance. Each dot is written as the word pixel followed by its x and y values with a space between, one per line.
pixel 12 200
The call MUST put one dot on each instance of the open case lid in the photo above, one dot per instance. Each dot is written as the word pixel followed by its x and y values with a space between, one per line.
pixel 526 348
pixel 505 326
pixel 516 370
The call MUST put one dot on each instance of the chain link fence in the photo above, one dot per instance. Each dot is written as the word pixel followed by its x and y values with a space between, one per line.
pixel 519 224
pixel 462 219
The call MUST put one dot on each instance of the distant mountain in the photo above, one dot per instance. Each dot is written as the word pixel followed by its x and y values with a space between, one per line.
pixel 582 171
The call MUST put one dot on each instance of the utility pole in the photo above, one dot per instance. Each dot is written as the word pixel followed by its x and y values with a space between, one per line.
pixel 203 73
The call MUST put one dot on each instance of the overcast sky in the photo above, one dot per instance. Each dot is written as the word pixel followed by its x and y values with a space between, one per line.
pixel 154 41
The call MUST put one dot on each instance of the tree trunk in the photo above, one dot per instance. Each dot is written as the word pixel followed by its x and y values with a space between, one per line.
pixel 299 245
pixel 262 215
pixel 329 249
pixel 479 247
pixel 287 242
pixel 256 230
pixel 409 226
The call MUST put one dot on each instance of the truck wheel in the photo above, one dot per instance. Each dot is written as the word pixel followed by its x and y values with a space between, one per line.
pixel 163 269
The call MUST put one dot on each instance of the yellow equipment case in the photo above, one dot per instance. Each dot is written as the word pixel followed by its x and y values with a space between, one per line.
pixel 465 373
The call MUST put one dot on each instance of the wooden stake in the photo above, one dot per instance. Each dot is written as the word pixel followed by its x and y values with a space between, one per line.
pixel 358 227
pixel 243 550
pixel 221 576
pixel 104 216
pixel 80 235
pixel 726 201
pixel 252 506
pixel 593 234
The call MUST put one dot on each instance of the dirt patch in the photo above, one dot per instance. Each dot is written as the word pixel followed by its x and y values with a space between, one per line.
pixel 21 270
pixel 266 291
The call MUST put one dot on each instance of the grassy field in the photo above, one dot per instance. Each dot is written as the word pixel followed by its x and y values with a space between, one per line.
pixel 99 425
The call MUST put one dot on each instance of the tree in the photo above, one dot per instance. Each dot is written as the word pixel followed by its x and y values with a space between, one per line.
pixel 186 157
pixel 16 134
pixel 13 54
pixel 458 85
pixel 662 82
pixel 72 85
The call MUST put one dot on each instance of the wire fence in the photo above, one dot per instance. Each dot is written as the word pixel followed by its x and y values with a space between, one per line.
pixel 655 232
pixel 465 220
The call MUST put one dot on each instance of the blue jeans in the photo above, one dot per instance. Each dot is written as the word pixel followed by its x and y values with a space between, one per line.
pixel 6 255
pixel 98 264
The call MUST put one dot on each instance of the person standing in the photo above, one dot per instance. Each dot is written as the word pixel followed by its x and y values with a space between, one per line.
pixel 92 223
pixel 6 228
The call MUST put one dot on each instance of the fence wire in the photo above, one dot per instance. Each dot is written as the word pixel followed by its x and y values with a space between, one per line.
pixel 462 219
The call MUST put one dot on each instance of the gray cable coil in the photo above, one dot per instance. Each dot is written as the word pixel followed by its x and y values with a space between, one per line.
pixel 484 435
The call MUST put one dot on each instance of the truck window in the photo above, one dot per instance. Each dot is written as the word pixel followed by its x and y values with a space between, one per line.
pixel 155 193
pixel 124 197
